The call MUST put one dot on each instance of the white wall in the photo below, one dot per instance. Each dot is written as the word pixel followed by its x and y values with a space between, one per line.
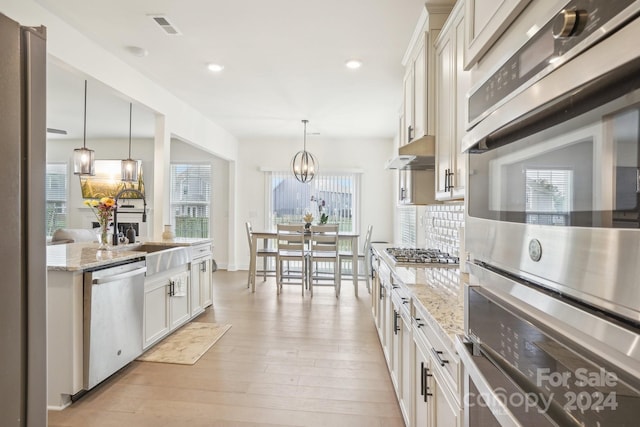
pixel 369 156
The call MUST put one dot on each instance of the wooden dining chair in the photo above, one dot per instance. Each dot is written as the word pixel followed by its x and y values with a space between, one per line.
pixel 291 248
pixel 266 253
pixel 323 252
pixel 364 257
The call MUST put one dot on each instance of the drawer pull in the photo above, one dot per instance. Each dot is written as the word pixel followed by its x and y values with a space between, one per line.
pixel 418 324
pixel 437 354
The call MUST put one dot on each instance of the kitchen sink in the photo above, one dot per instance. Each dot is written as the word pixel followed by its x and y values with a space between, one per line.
pixel 162 258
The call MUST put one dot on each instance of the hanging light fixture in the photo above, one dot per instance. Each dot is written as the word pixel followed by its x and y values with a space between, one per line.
pixel 129 166
pixel 304 164
pixel 83 158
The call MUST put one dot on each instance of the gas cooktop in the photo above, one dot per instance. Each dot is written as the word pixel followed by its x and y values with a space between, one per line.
pixel 418 257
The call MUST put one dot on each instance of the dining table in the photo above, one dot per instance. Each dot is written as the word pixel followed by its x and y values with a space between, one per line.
pixel 272 234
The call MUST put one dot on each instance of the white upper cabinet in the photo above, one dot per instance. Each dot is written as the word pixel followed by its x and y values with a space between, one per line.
pixel 419 80
pixel 485 21
pixel 452 84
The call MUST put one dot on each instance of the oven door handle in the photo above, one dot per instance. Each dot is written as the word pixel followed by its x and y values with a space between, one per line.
pixel 494 403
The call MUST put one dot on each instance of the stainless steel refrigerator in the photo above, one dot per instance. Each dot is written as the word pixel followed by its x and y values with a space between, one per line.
pixel 22 220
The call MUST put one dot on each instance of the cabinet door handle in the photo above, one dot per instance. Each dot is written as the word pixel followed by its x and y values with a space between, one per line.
pixel 424 386
pixel 422 379
pixel 450 180
pixel 418 324
pixel 446 180
pixel 171 285
pixel 203 266
pixel 395 322
pixel 437 354
pixel 402 191
pixel 409 133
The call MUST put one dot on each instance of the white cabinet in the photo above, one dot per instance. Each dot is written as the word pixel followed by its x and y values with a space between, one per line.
pixel 414 103
pixel 166 303
pixel 486 21
pixel 156 311
pixel 421 387
pixel 446 411
pixel 201 278
pixel 418 60
pixel 424 368
pixel 452 83
pixel 179 302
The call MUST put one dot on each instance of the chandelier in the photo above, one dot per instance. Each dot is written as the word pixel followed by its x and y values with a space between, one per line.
pixel 304 164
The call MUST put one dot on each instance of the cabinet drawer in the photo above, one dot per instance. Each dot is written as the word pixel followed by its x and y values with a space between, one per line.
pixel 445 359
pixel 201 251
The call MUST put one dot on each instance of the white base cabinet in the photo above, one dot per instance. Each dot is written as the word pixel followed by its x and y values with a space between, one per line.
pixel 424 369
pixel 201 278
pixel 166 304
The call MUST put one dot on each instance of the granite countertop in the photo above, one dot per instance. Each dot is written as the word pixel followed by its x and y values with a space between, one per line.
pixel 444 304
pixel 86 255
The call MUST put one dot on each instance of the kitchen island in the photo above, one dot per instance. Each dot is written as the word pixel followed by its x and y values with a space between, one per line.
pixel 69 288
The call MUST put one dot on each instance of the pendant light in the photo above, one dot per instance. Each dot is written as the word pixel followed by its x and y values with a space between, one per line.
pixel 304 164
pixel 129 166
pixel 83 158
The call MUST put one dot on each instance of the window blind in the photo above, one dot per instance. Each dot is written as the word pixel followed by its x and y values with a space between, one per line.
pixel 335 195
pixel 407 225
pixel 190 199
pixel 56 194
pixel 548 196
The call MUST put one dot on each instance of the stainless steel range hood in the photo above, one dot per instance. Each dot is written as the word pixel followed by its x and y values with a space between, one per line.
pixel 419 154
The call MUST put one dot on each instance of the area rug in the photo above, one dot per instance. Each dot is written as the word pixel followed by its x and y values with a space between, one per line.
pixel 186 345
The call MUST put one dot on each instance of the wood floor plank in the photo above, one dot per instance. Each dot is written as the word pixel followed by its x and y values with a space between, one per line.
pixel 288 360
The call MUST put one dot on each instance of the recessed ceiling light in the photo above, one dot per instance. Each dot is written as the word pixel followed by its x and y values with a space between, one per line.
pixel 353 64
pixel 216 68
pixel 137 51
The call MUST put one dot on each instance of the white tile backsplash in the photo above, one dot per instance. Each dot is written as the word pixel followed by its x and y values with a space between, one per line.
pixel 441 227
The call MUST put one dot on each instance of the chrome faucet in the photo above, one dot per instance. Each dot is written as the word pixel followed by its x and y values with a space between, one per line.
pixel 115 211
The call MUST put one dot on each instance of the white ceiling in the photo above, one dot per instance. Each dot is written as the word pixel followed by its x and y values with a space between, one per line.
pixel 284 62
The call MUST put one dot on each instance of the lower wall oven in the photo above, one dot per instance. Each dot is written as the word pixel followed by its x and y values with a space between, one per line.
pixel 535 358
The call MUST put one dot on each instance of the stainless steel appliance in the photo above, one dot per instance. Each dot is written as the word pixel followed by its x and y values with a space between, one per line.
pixel 23 399
pixel 113 319
pixel 533 359
pixel 553 225
pixel 418 257
pixel 554 170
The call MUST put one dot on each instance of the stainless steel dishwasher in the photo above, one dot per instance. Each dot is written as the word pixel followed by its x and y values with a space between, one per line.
pixel 113 316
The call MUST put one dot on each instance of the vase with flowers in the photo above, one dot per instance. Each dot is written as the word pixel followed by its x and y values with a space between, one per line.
pixel 103 210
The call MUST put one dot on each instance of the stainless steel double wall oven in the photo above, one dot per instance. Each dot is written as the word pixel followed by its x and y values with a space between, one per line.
pixel 553 226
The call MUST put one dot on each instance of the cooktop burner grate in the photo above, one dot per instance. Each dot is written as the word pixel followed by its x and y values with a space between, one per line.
pixel 419 257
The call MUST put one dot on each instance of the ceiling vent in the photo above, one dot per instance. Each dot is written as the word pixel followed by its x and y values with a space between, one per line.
pixel 166 26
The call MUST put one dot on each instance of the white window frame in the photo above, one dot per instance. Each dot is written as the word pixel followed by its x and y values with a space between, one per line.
pixel 173 203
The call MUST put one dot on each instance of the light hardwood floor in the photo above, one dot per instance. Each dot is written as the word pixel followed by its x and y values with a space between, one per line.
pixel 288 360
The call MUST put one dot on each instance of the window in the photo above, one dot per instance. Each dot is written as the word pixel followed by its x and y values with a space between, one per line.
pixel 548 194
pixel 407 226
pixel 56 195
pixel 191 199
pixel 333 195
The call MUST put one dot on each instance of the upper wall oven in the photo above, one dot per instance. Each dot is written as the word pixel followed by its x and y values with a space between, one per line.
pixel 554 163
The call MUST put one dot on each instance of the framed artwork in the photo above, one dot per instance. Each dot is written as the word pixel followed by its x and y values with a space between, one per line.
pixel 106 182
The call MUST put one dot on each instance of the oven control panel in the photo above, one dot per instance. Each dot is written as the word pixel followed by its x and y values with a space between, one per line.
pixel 580 24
